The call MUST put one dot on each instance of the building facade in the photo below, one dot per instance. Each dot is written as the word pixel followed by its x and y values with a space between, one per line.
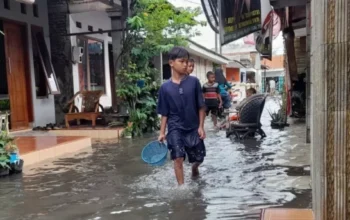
pixel 22 78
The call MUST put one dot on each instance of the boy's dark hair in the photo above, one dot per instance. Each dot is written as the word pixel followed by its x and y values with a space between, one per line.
pixel 177 53
pixel 210 73
pixel 191 60
pixel 252 90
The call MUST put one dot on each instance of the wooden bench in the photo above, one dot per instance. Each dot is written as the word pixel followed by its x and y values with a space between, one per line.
pixel 90 107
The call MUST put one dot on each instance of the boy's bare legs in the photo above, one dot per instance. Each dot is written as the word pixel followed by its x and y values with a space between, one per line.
pixel 195 171
pixel 179 170
pixel 214 119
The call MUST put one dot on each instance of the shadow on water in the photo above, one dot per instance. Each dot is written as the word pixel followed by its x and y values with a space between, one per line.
pixel 237 180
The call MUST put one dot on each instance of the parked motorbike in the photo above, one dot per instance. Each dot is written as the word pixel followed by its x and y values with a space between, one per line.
pixel 298 104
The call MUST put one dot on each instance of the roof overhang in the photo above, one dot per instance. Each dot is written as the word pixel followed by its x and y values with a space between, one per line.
pixel 235 64
pixel 198 50
pixel 251 70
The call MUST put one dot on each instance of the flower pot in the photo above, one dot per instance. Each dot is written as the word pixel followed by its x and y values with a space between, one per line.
pixel 128 136
pixel 14 157
pixel 4 171
pixel 16 167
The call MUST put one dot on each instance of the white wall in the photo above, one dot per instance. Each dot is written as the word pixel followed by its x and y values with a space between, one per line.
pixel 98 20
pixel 201 67
pixel 44 108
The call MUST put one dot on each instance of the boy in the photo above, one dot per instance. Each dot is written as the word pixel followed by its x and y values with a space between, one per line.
pixel 212 97
pixel 182 109
pixel 190 66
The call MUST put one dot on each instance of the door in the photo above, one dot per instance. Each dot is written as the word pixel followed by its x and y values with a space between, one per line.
pixel 16 74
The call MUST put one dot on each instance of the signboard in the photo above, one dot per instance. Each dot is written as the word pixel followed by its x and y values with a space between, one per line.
pixel 238 18
pixel 265 37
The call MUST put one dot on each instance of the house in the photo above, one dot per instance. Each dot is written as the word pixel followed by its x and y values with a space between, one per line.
pixel 24 49
pixel 45 57
pixel 53 49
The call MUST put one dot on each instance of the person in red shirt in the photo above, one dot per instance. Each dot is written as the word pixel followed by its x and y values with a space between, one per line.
pixel 212 97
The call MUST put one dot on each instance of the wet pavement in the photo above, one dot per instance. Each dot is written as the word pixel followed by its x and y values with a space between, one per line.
pixel 111 182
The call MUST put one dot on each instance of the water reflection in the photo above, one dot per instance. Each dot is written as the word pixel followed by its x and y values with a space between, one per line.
pixel 237 180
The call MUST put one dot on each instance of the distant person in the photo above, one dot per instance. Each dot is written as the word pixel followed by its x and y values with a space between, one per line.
pixel 223 86
pixel 272 84
pixel 182 109
pixel 250 92
pixel 212 97
pixel 190 66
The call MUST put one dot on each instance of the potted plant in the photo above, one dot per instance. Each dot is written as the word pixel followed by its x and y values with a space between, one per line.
pixel 16 164
pixel 9 152
pixel 127 133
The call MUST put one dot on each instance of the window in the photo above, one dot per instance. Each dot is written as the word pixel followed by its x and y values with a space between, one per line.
pixel 35 11
pixel 45 62
pixel 78 24
pixel 7 4
pixel 90 28
pixel 92 68
pixel 39 73
pixel 23 8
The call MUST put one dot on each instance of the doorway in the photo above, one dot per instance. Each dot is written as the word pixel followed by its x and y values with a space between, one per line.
pixel 15 80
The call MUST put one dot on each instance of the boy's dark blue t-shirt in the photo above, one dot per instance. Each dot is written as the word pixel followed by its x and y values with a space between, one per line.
pixel 181 103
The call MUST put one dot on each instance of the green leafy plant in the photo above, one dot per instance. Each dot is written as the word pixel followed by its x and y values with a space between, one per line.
pixel 7 146
pixel 5 105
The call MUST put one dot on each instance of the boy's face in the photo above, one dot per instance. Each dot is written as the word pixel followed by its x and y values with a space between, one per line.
pixel 179 65
pixel 190 67
pixel 211 78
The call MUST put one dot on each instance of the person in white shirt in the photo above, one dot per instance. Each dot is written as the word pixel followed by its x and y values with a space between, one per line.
pixel 272 86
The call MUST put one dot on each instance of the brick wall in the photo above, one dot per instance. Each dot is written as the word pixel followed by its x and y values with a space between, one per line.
pixel 60 52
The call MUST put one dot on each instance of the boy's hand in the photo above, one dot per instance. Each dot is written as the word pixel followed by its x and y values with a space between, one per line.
pixel 201 133
pixel 161 138
pixel 220 105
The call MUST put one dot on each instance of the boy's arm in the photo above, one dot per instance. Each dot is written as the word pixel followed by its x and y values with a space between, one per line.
pixel 163 110
pixel 163 122
pixel 201 109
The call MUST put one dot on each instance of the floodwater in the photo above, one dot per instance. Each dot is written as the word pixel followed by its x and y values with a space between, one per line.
pixel 111 182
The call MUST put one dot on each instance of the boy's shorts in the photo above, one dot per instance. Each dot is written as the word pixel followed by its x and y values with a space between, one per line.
pixel 213 110
pixel 181 143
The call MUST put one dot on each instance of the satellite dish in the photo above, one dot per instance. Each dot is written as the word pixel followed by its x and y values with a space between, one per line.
pixel 26 1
